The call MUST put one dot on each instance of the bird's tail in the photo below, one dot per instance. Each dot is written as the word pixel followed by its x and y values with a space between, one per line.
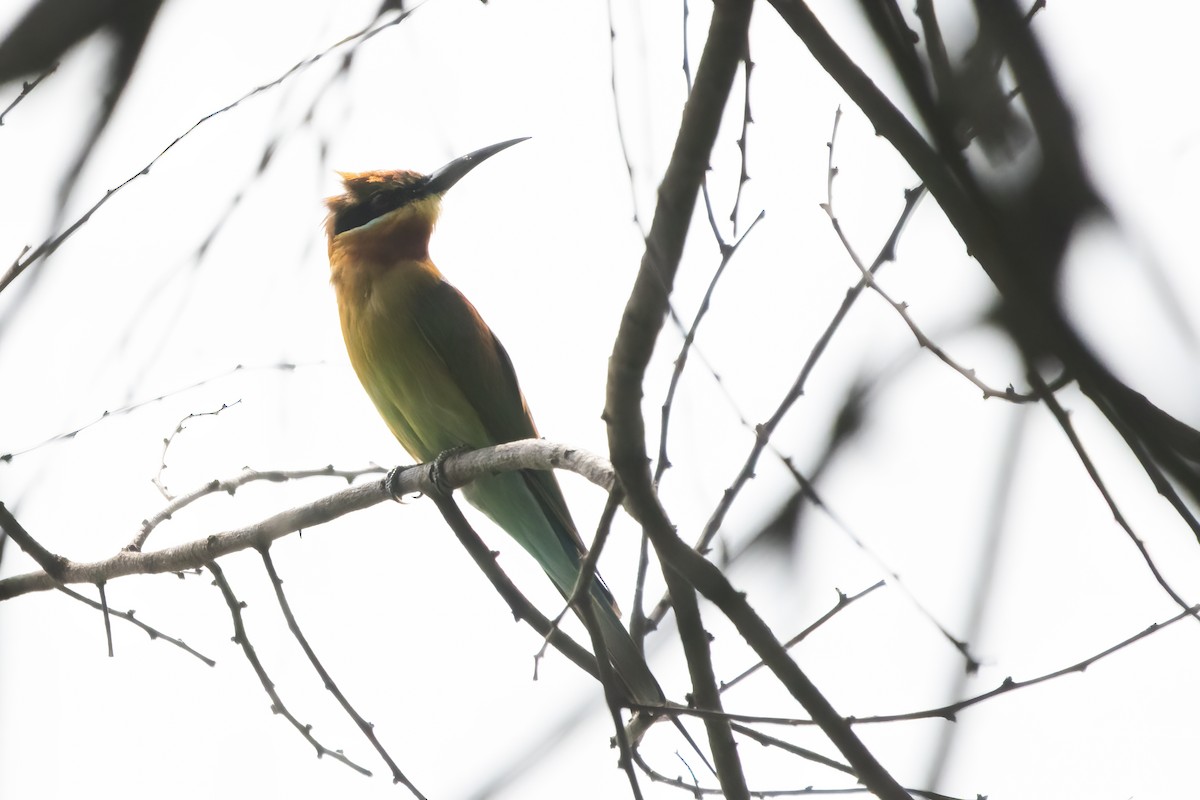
pixel 631 668
pixel 628 662
pixel 530 507
pixel 636 676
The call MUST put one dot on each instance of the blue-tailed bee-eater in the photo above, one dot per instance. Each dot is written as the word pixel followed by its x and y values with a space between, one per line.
pixel 441 379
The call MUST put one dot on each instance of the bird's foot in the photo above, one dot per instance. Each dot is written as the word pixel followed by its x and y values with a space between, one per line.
pixel 391 483
pixel 437 469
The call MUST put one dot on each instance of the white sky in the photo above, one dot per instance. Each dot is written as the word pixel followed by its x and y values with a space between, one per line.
pixel 540 238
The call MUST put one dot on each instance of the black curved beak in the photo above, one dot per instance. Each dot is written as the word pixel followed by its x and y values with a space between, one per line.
pixel 440 180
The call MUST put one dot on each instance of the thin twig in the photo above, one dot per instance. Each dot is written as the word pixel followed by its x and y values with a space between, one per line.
pixel 26 88
pixel 612 59
pixel 1064 422
pixel 747 119
pixel 764 430
pixel 170 439
pixel 367 728
pixel 843 602
pixel 972 663
pixel 687 79
pixel 107 618
pixel 809 791
pixel 277 707
pixel 950 712
pixel 689 338
pixel 153 633
pixel 639 623
pixel 231 485
pixel 713 584
pixel 901 308
pixel 803 752
pixel 71 434
pixel 50 245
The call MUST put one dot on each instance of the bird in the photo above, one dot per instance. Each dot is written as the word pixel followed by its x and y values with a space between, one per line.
pixel 441 379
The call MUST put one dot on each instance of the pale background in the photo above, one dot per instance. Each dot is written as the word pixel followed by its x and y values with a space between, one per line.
pixel 541 239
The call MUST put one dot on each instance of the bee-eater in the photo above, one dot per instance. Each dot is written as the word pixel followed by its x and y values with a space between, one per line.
pixel 440 378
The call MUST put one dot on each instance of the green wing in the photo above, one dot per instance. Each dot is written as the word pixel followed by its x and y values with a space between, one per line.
pixel 529 505
pixel 480 368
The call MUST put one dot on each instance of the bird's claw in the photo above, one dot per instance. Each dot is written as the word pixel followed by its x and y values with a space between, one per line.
pixel 437 469
pixel 391 482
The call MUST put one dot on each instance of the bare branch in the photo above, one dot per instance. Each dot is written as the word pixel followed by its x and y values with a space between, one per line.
pixel 128 617
pixel 689 338
pixel 367 728
pixel 71 434
pixel 803 752
pixel 107 618
pixel 705 693
pixel 53 565
pixel 26 88
pixel 950 712
pixel 742 142
pixel 168 440
pixel 231 485
pixel 843 602
pixel 901 308
pixel 644 313
pixel 1064 422
pixel 458 470
pixel 808 791
pixel 764 431
pixel 277 707
pixel 612 55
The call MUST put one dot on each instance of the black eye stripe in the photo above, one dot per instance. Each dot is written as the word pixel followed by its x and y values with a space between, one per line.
pixel 379 203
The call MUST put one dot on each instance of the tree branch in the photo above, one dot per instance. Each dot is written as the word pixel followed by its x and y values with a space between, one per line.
pixel 459 470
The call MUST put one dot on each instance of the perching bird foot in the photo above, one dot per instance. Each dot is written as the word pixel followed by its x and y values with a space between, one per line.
pixel 437 468
pixel 392 482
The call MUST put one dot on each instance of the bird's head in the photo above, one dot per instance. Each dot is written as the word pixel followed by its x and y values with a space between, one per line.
pixel 399 196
